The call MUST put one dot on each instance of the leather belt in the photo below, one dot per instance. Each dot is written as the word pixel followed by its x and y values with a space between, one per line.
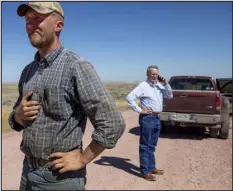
pixel 155 114
pixel 36 163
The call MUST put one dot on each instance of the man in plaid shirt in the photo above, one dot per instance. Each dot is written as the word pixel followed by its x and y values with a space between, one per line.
pixel 58 90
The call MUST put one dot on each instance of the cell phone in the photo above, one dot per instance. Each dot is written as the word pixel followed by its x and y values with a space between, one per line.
pixel 160 79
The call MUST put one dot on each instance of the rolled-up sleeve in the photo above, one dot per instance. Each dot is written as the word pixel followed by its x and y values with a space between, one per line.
pixel 167 92
pixel 108 123
pixel 132 96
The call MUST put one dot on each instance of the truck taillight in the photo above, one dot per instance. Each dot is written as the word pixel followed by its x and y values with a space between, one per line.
pixel 218 101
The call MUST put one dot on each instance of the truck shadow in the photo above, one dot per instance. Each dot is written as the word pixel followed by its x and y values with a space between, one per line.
pixel 120 163
pixel 176 132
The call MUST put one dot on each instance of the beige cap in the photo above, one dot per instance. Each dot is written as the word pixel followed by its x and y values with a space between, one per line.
pixel 41 7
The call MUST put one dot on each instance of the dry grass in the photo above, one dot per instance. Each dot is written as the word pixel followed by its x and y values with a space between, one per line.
pixel 6 110
pixel 120 90
pixel 122 105
pixel 10 94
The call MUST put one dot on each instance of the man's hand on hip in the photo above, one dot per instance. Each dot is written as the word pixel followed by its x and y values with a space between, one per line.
pixel 67 161
pixel 27 110
pixel 75 160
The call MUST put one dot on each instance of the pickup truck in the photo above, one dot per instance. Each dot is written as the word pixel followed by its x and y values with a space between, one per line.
pixel 197 101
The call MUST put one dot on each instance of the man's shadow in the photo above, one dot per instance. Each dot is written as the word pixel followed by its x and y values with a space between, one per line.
pixel 176 132
pixel 120 163
pixel 135 131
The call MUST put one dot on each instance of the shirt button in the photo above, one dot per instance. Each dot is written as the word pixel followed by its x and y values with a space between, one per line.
pixel 47 150
pixel 40 71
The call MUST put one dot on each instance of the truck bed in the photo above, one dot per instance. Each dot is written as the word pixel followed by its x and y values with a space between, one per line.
pixel 188 101
pixel 192 94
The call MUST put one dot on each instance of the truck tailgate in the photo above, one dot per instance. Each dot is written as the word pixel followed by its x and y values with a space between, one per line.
pixel 186 101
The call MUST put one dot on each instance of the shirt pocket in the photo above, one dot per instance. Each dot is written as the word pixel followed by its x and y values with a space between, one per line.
pixel 54 102
pixel 147 93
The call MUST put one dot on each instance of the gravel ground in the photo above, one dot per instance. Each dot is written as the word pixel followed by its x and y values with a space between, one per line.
pixel 190 158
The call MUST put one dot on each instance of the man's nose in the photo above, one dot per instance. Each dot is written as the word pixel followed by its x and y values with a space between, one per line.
pixel 31 27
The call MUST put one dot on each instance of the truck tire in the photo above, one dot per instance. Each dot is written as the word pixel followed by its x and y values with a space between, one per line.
pixel 224 131
pixel 163 127
pixel 214 132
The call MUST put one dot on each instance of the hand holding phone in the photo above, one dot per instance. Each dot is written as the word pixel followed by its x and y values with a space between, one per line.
pixel 162 79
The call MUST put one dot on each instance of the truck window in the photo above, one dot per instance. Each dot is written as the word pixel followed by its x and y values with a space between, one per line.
pixel 191 84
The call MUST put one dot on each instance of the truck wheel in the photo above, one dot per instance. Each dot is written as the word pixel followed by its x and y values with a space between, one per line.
pixel 224 131
pixel 214 132
pixel 163 126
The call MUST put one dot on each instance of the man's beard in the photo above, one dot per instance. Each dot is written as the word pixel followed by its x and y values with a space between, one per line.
pixel 38 41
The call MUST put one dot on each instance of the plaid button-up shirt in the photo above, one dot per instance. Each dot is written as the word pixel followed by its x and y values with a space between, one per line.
pixel 69 91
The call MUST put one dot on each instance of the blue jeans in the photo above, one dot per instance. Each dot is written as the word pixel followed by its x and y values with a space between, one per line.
pixel 45 179
pixel 149 134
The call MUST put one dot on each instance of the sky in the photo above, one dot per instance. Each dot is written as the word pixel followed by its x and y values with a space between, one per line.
pixel 121 39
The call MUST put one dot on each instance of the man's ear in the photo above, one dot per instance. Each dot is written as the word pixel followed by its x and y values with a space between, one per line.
pixel 59 26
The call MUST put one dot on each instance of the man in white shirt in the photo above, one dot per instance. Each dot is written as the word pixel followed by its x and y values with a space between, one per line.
pixel 151 94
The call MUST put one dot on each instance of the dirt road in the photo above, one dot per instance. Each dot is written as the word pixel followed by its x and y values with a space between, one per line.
pixel 190 158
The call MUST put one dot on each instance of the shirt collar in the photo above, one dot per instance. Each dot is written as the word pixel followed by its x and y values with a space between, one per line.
pixel 151 84
pixel 49 58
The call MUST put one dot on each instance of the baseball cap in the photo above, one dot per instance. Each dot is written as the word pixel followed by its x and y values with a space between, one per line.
pixel 41 7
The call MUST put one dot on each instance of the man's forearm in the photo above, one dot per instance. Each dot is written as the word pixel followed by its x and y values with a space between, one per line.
pixel 91 152
pixel 132 103
pixel 168 92
pixel 13 123
pixel 17 119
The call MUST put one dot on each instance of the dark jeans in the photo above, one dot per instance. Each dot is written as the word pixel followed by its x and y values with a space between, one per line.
pixel 46 179
pixel 149 134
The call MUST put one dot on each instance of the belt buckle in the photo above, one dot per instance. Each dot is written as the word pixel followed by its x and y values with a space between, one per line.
pixel 156 114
